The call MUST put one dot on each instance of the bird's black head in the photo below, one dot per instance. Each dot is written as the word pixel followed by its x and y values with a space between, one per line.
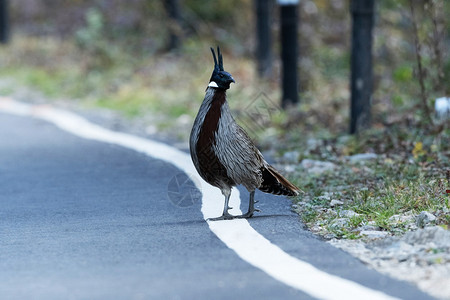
pixel 220 79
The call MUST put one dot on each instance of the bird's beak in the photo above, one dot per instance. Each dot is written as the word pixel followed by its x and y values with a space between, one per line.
pixel 232 79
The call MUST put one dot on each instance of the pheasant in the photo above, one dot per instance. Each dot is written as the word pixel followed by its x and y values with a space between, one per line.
pixel 223 153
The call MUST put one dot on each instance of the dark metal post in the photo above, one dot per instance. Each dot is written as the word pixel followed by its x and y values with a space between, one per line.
pixel 4 22
pixel 263 37
pixel 289 51
pixel 361 64
pixel 174 21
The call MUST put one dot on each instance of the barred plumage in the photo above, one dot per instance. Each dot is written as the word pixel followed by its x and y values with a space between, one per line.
pixel 222 152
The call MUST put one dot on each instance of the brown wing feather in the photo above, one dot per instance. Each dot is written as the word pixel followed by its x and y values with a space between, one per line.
pixel 275 183
pixel 286 183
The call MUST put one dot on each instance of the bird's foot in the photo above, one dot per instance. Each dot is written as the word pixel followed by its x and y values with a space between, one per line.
pixel 247 215
pixel 250 213
pixel 225 216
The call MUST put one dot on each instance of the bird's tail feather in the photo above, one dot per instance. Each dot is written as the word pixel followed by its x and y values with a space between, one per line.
pixel 275 183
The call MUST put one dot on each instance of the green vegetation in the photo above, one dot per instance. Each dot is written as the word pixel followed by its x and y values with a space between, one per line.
pixel 385 193
pixel 382 194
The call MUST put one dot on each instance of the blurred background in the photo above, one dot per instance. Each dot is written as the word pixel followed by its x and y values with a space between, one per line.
pixel 151 58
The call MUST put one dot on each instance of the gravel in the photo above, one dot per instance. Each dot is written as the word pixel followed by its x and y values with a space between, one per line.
pixel 421 257
pixel 335 202
pixel 291 157
pixel 317 166
pixel 374 234
pixel 424 218
pixel 361 157
pixel 347 213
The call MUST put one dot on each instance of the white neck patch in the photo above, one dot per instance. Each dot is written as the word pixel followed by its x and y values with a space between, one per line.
pixel 213 84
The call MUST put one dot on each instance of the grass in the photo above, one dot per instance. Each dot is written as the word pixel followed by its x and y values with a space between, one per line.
pixel 386 193
pixel 166 86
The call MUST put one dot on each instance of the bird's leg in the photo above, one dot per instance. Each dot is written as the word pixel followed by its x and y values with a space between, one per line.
pixel 251 206
pixel 225 215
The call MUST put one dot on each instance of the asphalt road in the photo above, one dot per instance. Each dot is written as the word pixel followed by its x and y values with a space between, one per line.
pixel 81 219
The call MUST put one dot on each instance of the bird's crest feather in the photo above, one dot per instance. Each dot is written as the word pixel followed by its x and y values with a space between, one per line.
pixel 218 66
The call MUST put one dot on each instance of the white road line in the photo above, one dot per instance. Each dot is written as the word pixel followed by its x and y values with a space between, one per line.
pixel 238 235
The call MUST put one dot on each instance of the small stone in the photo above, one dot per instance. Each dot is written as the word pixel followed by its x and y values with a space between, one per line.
pixel 367 228
pixel 312 143
pixel 334 203
pixel 291 157
pixel 317 166
pixel 348 213
pixel 374 234
pixel 344 139
pixel 401 218
pixel 412 227
pixel 339 223
pixel 362 157
pixel 289 168
pixel 316 228
pixel 329 236
pixel 331 212
pixel 424 218
pixel 432 234
pixel 394 218
pixel 325 196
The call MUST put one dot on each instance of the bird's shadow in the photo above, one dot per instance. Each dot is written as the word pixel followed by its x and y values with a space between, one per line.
pixel 261 217
pixel 203 221
pixel 169 223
